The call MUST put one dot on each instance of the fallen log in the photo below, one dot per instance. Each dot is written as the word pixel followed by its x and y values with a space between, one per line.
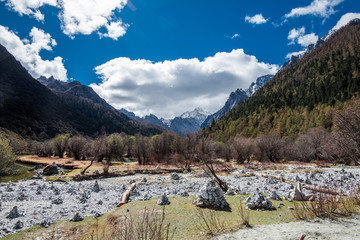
pixel 303 185
pixel 125 197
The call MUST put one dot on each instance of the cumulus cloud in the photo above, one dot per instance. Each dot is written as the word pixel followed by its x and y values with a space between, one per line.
pixel 298 36
pixel 78 16
pixel 29 7
pixel 319 8
pixel 257 19
pixel 86 17
pixel 147 87
pixel 27 52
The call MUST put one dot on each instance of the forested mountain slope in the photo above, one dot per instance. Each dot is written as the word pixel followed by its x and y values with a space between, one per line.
pixel 303 95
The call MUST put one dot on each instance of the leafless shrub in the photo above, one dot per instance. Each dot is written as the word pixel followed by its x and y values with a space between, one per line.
pixel 210 222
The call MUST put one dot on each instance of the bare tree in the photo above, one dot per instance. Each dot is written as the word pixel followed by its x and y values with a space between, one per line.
pixel 347 125
pixel 206 153
pixel 76 146
pixel 269 147
pixel 141 149
pixel 242 149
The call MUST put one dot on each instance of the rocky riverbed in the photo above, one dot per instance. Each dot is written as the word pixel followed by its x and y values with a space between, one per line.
pixel 41 202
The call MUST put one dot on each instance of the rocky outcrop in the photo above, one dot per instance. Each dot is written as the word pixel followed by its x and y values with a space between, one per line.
pixel 51 169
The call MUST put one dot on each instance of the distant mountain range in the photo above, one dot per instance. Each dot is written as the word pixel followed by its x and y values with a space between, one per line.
pixel 188 122
pixel 235 98
pixel 29 108
pixel 305 94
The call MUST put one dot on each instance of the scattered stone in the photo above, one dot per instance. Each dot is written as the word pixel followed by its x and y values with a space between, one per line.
pixel 9 188
pixel 57 201
pixel 22 197
pixel 56 191
pixel 175 176
pixel 291 208
pixel 97 215
pixel 274 196
pixel 144 180
pixel 36 176
pixel 211 196
pixel 96 187
pixel 158 168
pixel 132 181
pixel 84 197
pixel 0 207
pixel 13 213
pixel 184 194
pixel 271 181
pixel 164 200
pixel 77 218
pixel 51 169
pixel 351 175
pixel 96 172
pixel 45 223
pixel 298 179
pixel 186 171
pixel 100 202
pixel 307 181
pixel 259 201
pixel 18 225
pixel 230 192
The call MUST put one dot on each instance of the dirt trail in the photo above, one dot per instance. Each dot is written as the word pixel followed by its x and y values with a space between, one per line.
pixel 343 228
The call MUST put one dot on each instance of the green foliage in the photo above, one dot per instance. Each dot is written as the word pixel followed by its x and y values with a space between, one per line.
pixel 301 96
pixel 60 143
pixel 7 158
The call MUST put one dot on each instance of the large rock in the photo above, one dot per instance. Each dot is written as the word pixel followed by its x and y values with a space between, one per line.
pixel 77 218
pixel 298 195
pixel 51 169
pixel 211 196
pixel 164 200
pixel 259 201
pixel 175 176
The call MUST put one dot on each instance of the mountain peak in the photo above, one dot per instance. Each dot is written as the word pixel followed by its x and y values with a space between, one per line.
pixel 197 113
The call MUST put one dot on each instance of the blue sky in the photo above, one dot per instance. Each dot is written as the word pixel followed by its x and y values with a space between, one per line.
pixel 162 56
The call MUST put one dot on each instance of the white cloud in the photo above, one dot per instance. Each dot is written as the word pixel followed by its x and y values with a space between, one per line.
pixel 298 36
pixel 27 52
pixel 29 7
pixel 147 87
pixel 345 19
pixel 236 35
pixel 320 8
pixel 86 17
pixel 115 30
pixel 78 16
pixel 257 19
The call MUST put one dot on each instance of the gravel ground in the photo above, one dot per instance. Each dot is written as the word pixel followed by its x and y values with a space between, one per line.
pixel 44 202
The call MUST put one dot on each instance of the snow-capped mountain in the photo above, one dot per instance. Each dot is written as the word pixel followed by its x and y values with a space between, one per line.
pixel 198 114
pixel 344 20
pixel 235 98
pixel 187 122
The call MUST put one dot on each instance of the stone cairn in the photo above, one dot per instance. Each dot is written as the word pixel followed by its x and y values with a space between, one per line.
pixel 211 196
pixel 259 201
pixel 164 200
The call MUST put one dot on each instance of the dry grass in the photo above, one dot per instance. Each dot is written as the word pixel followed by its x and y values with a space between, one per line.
pixel 244 215
pixel 328 206
pixel 149 225
pixel 210 222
